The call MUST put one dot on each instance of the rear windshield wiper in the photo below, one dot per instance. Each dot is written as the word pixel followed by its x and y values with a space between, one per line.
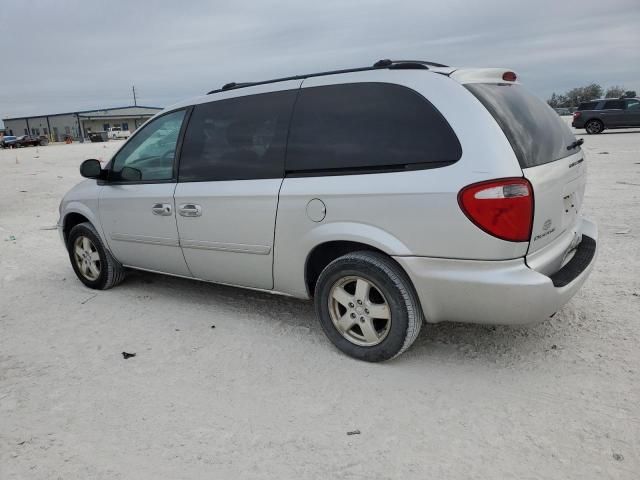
pixel 575 144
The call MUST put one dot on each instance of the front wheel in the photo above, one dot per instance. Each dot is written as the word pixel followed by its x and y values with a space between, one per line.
pixel 93 263
pixel 367 306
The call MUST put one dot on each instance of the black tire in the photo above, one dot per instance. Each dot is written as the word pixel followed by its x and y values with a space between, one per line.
pixel 111 271
pixel 594 127
pixel 392 282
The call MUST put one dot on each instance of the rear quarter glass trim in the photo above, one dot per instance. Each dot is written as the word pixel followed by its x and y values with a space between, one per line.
pixel 367 170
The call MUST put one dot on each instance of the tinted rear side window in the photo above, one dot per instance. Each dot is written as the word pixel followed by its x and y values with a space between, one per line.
pixel 613 105
pixel 237 139
pixel 368 126
pixel 536 133
pixel 588 106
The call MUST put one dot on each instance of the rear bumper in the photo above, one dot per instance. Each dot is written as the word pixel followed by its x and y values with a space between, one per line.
pixel 497 292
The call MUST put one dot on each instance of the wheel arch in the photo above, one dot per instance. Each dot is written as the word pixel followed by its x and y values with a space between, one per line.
pixel 325 253
pixel 337 239
pixel 76 213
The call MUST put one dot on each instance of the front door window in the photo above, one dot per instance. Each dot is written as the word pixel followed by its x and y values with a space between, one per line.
pixel 149 155
pixel 633 105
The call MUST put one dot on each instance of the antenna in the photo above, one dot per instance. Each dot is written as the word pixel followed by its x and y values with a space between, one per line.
pixel 135 102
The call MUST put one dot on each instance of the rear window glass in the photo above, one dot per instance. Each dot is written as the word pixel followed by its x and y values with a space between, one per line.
pixel 240 138
pixel 613 105
pixel 536 133
pixel 368 126
pixel 588 106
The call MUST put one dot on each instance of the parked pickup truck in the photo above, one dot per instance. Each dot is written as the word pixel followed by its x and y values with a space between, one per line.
pixel 117 132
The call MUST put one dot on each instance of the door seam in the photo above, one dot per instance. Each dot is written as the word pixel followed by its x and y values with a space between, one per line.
pixel 284 174
pixel 175 219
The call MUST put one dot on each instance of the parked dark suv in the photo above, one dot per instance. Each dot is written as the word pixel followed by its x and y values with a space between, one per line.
pixel 596 115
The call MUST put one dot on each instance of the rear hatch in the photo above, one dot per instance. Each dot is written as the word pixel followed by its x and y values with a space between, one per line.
pixel 551 161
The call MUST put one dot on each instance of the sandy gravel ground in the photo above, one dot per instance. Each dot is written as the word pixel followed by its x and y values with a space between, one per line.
pixel 265 395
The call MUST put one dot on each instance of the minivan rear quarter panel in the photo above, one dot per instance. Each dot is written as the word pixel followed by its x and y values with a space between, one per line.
pixel 420 207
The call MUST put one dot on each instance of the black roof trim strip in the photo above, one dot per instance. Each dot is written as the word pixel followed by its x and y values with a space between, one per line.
pixel 385 63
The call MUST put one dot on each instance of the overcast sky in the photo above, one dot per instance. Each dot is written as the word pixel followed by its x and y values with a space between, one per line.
pixel 71 55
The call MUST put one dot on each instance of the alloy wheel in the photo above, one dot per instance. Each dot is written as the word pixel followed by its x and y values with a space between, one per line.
pixel 87 258
pixel 359 311
pixel 594 127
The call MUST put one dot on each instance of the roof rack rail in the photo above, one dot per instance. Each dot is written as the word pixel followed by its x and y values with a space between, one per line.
pixel 384 63
pixel 408 64
pixel 230 85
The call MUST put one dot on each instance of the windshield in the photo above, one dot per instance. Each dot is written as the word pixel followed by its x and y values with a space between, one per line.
pixel 536 133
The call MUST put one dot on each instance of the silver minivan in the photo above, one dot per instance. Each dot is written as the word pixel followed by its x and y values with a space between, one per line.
pixel 395 194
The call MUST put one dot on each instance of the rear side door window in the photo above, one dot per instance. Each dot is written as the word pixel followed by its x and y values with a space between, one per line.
pixel 239 138
pixel 613 105
pixel 367 127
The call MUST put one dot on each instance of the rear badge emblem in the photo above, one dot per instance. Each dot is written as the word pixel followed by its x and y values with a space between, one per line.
pixel 546 229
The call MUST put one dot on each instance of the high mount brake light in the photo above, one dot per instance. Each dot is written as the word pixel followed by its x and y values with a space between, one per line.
pixel 509 76
pixel 502 208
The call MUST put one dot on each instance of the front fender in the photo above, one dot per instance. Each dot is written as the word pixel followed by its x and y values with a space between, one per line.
pixel 75 206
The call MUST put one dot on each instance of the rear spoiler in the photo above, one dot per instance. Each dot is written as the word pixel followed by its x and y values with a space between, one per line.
pixel 484 75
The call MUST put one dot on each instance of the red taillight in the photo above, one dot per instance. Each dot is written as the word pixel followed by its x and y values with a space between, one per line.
pixel 576 115
pixel 502 208
pixel 509 76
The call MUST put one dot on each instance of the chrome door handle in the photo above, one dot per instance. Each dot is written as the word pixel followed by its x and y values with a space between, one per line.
pixel 163 209
pixel 190 210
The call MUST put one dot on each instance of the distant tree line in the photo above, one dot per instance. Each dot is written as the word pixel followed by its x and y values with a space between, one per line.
pixel 573 97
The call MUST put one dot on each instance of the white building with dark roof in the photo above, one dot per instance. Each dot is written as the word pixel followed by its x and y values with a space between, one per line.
pixel 79 124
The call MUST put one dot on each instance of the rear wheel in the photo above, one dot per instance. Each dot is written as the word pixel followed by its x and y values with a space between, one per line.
pixel 93 263
pixel 594 127
pixel 367 306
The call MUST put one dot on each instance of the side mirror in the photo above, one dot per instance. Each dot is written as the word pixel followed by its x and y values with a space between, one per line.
pixel 130 174
pixel 90 168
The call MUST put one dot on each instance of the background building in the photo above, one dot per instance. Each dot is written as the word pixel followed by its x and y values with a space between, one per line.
pixel 79 124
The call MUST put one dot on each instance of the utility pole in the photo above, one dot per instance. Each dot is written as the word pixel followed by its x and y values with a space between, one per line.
pixel 135 102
